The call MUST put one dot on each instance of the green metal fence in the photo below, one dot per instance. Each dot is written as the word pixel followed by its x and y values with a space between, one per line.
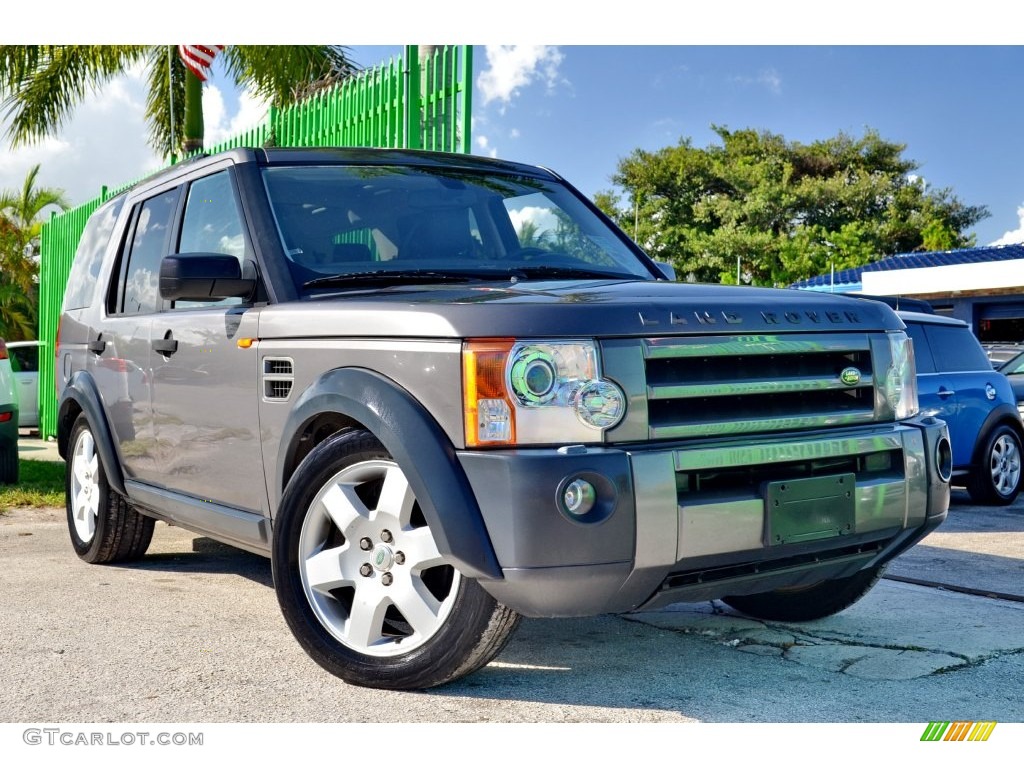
pixel 406 103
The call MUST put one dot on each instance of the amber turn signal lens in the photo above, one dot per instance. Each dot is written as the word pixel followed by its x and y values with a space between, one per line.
pixel 489 417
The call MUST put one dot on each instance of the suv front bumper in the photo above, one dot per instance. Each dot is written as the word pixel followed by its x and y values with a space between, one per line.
pixel 692 521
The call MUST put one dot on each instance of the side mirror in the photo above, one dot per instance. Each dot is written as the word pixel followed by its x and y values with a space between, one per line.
pixel 666 269
pixel 205 277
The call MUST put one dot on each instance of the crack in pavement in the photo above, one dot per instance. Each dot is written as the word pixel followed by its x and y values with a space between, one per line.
pixel 826 649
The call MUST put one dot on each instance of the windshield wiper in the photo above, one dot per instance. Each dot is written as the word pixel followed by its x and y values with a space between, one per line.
pixel 424 276
pixel 540 271
pixel 408 276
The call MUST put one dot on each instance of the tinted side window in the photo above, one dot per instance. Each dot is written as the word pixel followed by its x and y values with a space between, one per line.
pixel 212 222
pixel 956 349
pixel 24 359
pixel 85 270
pixel 148 247
pixel 922 353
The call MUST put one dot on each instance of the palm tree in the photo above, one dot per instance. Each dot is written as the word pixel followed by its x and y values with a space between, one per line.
pixel 40 85
pixel 21 220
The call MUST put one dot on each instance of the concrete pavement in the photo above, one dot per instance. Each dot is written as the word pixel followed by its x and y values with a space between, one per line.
pixel 193 633
pixel 31 446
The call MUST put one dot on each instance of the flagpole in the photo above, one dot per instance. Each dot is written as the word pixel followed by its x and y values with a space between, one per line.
pixel 170 88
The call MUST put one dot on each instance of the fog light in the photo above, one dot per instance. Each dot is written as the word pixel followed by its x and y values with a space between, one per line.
pixel 579 497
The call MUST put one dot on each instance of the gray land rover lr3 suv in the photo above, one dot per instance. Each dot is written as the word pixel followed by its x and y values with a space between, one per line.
pixel 441 392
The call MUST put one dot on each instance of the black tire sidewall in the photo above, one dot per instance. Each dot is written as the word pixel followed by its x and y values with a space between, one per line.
pixel 9 466
pixel 435 661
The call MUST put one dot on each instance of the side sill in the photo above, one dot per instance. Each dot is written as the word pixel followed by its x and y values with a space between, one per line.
pixel 245 530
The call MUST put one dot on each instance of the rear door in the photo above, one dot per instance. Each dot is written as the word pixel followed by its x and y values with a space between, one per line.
pixel 119 355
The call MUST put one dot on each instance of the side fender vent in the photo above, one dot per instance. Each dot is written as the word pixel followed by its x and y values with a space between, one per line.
pixel 278 378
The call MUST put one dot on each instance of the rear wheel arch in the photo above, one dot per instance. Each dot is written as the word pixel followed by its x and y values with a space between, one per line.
pixel 1004 414
pixel 81 396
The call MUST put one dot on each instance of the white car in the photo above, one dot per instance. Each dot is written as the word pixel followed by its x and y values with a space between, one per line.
pixel 8 420
pixel 24 358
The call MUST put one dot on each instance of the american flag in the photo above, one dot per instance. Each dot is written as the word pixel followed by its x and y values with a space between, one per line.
pixel 198 58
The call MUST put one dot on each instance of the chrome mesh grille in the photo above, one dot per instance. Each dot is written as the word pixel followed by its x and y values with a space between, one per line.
pixel 743 384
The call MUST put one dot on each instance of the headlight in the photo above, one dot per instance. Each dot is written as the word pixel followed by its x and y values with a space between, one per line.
pixel 536 392
pixel 901 378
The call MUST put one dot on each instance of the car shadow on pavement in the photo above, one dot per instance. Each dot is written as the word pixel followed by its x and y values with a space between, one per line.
pixel 209 556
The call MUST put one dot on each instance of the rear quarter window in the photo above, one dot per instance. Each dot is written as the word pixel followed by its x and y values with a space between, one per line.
pixel 85 269
pixel 922 351
pixel 956 349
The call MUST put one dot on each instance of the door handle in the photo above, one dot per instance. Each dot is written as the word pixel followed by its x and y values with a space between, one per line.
pixel 946 392
pixel 97 346
pixel 166 346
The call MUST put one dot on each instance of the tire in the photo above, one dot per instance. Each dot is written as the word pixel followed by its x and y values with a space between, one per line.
pixel 9 466
pixel 104 527
pixel 816 601
pixel 360 580
pixel 996 479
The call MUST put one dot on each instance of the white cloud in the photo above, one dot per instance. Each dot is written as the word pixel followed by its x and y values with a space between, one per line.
pixel 219 125
pixel 769 78
pixel 1014 236
pixel 485 146
pixel 513 67
pixel 514 133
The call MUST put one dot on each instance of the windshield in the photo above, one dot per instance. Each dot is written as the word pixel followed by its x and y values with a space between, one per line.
pixel 363 224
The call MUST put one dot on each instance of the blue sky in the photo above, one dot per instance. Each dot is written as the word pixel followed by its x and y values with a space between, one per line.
pixel 579 109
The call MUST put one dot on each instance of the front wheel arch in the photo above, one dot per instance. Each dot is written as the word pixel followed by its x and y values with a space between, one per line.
pixel 360 398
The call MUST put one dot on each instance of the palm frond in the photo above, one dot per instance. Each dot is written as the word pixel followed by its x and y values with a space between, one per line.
pixel 283 73
pixel 44 85
pixel 162 95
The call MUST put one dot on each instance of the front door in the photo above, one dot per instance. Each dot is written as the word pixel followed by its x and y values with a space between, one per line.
pixel 204 386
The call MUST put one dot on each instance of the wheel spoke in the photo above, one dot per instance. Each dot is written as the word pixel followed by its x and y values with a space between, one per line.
pixel 344 507
pixel 420 608
pixel 365 625
pixel 85 514
pixel 420 549
pixel 325 571
pixel 87 447
pixel 396 497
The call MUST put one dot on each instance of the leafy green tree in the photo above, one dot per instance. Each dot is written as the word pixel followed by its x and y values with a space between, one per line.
pixel 21 220
pixel 786 210
pixel 40 85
